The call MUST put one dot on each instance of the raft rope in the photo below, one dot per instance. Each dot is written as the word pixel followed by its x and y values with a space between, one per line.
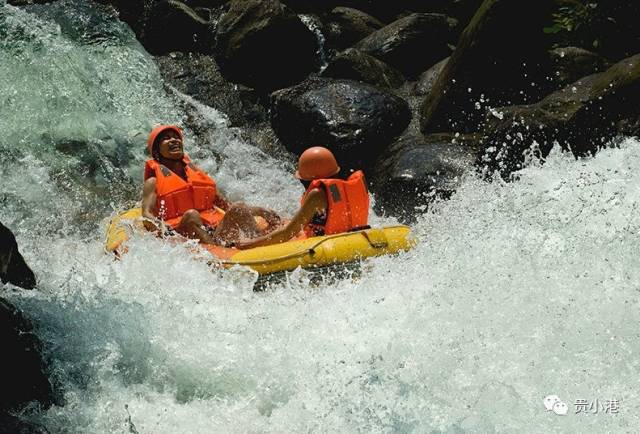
pixel 309 250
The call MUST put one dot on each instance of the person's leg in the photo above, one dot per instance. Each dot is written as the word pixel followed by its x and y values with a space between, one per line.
pixel 191 226
pixel 238 223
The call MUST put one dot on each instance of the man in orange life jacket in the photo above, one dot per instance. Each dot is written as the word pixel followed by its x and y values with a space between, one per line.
pixel 330 205
pixel 180 195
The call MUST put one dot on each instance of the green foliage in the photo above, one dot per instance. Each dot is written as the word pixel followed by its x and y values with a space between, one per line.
pixel 576 23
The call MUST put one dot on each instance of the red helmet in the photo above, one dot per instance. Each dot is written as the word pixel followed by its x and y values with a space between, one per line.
pixel 316 163
pixel 159 130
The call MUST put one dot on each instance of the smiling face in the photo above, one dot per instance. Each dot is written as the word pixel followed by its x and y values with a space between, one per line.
pixel 169 145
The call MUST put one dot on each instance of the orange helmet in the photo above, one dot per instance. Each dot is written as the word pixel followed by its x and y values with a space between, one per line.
pixel 159 130
pixel 316 163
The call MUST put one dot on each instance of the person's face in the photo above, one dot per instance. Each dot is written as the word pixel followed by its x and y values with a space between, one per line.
pixel 170 146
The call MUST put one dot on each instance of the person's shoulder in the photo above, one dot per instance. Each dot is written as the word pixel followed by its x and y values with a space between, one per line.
pixel 150 182
pixel 315 196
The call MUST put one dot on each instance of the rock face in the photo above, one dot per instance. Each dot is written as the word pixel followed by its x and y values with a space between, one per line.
pixel 356 65
pixel 311 6
pixel 571 63
pixel 356 121
pixel 13 267
pixel 413 43
pixel 199 76
pixel 415 170
pixel 21 368
pixel 174 26
pixel 347 26
pixel 163 26
pixel 462 10
pixel 264 45
pixel 427 79
pixel 583 116
pixel 485 65
pixel 388 11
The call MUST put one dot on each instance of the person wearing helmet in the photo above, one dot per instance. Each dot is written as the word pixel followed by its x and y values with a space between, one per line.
pixel 178 194
pixel 329 205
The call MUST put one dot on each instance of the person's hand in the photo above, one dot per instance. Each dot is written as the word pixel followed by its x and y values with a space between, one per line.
pixel 272 218
pixel 152 225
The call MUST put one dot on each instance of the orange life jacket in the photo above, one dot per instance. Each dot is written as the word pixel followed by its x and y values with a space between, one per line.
pixel 175 196
pixel 348 205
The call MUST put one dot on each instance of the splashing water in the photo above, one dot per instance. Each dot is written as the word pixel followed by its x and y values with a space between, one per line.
pixel 315 26
pixel 516 292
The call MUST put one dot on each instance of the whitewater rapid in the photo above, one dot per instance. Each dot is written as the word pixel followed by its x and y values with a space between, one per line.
pixel 516 290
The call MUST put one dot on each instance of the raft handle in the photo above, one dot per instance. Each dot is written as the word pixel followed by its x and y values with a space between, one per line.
pixel 376 238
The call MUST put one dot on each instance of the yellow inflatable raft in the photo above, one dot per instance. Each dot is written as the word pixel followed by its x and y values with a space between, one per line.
pixel 307 253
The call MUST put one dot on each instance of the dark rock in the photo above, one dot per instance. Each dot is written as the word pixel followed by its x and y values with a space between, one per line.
pixel 413 43
pixel 386 11
pixel 209 4
pixel 619 31
pixel 356 121
pixel 629 127
pixel 571 63
pixel 356 65
pixel 389 11
pixel 486 66
pixel 264 45
pixel 21 365
pixel 163 26
pixel 609 28
pixel 427 79
pixel 174 26
pixel 132 12
pixel 347 26
pixel 310 6
pixel 13 267
pixel 462 10
pixel 582 117
pixel 415 170
pixel 198 76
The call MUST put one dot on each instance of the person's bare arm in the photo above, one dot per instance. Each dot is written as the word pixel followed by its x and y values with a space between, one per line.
pixel 150 220
pixel 272 218
pixel 315 202
pixel 221 202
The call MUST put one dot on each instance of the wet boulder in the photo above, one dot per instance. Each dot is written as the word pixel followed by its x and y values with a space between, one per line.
pixel 356 65
pixel 311 6
pixel 164 26
pixel 355 120
pixel 199 76
pixel 462 10
pixel 388 11
pixel 413 43
pixel 347 26
pixel 13 268
pixel 571 63
pixel 264 45
pixel 174 26
pixel 582 116
pixel 22 371
pixel 415 170
pixel 427 79
pixel 486 65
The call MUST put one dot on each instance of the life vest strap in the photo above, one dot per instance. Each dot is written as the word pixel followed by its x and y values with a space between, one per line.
pixel 359 228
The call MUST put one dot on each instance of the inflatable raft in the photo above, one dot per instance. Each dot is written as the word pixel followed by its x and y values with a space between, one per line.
pixel 313 252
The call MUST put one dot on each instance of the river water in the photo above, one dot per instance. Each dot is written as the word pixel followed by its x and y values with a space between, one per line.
pixel 515 292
